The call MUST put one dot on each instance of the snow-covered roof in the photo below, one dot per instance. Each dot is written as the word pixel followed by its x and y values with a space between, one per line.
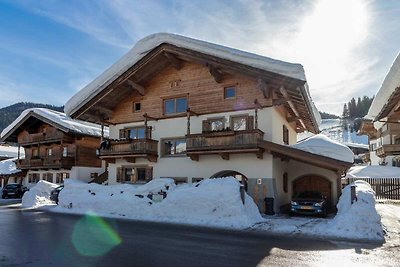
pixel 10 151
pixel 322 145
pixel 356 145
pixel 389 85
pixel 373 171
pixel 147 44
pixel 8 166
pixel 60 119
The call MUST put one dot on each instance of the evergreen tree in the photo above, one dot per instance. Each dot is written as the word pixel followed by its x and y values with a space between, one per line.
pixel 345 113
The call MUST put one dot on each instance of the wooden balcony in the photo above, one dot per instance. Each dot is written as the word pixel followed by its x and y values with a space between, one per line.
pixel 47 163
pixel 366 157
pixel 388 150
pixel 224 143
pixel 130 149
pixel 40 138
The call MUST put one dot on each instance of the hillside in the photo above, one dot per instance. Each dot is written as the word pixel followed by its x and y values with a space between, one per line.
pixel 10 113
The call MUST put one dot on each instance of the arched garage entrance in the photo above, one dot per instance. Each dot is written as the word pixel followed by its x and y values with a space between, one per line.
pixel 313 183
pixel 228 173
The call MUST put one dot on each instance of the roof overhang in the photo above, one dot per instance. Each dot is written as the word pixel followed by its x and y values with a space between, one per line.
pixel 391 107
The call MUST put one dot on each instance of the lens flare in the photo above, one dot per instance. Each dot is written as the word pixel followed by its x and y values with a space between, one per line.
pixel 92 236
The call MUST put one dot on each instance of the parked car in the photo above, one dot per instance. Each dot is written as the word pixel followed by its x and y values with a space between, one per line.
pixel 14 190
pixel 54 194
pixel 309 203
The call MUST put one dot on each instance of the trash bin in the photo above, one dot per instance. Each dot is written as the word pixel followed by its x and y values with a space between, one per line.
pixel 269 206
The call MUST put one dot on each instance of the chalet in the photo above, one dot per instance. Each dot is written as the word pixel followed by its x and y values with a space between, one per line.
pixel 382 123
pixel 188 110
pixel 56 147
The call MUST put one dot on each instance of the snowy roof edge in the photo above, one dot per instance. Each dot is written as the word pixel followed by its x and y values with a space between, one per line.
pixel 145 45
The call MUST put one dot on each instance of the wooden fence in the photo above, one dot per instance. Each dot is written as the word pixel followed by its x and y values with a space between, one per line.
pixel 385 188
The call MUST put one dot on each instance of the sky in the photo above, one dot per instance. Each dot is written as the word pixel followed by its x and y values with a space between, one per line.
pixel 50 49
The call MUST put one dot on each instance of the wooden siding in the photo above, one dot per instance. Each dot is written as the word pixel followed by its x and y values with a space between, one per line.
pixel 45 134
pixel 205 95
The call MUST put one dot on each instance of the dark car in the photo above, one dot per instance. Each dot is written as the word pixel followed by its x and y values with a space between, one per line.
pixel 54 194
pixel 309 203
pixel 13 190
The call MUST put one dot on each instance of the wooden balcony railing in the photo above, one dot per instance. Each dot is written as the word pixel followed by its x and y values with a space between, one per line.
pixel 224 143
pixel 44 138
pixel 131 148
pixel 387 150
pixel 47 162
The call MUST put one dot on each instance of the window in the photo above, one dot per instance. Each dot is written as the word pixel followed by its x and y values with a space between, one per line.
pixel 136 106
pixel 217 124
pixel 134 174
pixel 33 177
pixel 229 92
pixel 135 133
pixel 35 153
pixel 197 179
pixel 397 140
pixel 65 151
pixel 174 147
pixel 178 180
pixel 49 152
pixel 239 123
pixel 285 182
pixel 285 133
pixel 61 176
pixel 48 176
pixel 175 105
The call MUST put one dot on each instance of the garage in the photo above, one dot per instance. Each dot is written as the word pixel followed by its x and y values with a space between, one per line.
pixel 313 183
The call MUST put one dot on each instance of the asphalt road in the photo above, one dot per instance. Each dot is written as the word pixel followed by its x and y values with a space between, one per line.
pixel 38 238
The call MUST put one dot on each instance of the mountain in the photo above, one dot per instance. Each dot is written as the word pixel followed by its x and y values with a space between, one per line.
pixel 10 113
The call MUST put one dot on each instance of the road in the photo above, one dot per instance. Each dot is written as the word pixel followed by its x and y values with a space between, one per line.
pixel 39 238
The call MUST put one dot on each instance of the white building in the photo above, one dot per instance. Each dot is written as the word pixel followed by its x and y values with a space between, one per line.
pixel 187 109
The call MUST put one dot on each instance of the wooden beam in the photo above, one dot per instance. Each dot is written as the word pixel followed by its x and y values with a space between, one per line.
pixel 292 119
pixel 285 94
pixel 175 61
pixel 216 73
pixel 264 88
pixel 135 86
pixel 278 102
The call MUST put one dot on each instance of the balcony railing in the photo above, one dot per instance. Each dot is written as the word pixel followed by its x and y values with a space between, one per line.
pixel 388 150
pixel 41 138
pixel 47 162
pixel 130 148
pixel 224 143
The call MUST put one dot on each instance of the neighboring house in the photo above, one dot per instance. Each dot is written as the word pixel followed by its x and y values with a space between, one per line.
pixel 188 110
pixel 8 152
pixel 359 151
pixel 9 172
pixel 382 123
pixel 56 146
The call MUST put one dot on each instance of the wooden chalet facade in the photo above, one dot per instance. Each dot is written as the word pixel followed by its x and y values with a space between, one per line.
pixel 189 110
pixel 53 151
pixel 382 123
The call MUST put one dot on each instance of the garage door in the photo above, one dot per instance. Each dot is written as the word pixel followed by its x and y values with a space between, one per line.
pixel 313 183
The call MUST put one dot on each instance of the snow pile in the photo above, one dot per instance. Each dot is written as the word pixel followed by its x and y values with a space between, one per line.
pixel 322 145
pixel 359 220
pixel 60 119
pixel 373 171
pixel 39 195
pixel 212 202
pixel 8 167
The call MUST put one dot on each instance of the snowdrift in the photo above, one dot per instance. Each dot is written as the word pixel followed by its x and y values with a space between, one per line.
pixel 39 195
pixel 212 202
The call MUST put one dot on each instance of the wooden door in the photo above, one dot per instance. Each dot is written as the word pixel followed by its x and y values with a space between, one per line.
pixel 313 183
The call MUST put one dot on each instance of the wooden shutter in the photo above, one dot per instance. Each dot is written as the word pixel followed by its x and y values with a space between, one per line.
pixel 206 126
pixel 120 173
pixel 149 173
pixel 250 123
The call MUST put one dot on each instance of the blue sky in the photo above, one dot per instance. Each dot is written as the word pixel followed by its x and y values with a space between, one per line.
pixel 50 49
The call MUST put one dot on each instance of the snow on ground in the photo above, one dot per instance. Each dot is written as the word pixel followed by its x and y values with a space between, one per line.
pixel 39 195
pixel 212 202
pixel 373 171
pixel 322 145
pixel 8 166
pixel 359 221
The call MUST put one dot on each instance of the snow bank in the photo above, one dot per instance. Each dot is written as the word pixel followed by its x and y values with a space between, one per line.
pixel 39 195
pixel 373 171
pixel 60 119
pixel 322 145
pixel 8 166
pixel 359 220
pixel 212 202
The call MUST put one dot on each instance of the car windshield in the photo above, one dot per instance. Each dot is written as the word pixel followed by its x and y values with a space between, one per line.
pixel 12 186
pixel 309 195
